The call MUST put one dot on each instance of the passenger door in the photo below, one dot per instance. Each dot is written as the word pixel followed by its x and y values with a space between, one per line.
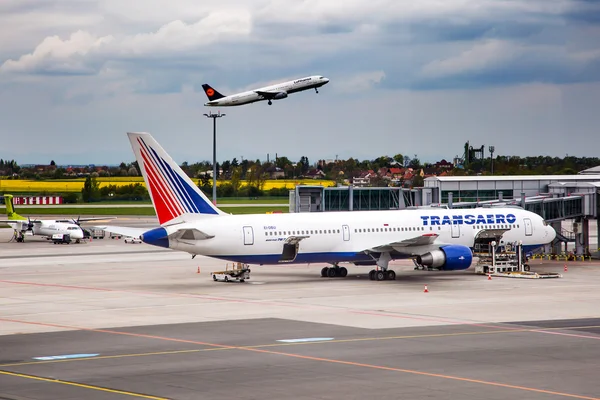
pixel 346 231
pixel 528 227
pixel 248 235
pixel 455 230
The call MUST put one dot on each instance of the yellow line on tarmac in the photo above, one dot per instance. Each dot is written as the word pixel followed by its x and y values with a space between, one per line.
pixel 81 385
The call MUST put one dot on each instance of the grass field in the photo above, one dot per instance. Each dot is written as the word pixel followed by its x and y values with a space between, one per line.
pixel 137 211
pixel 75 185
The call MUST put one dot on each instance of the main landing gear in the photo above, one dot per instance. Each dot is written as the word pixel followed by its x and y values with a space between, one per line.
pixel 383 273
pixel 269 102
pixel 334 272
pixel 316 90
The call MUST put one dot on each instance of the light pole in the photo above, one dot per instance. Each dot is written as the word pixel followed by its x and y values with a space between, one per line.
pixel 214 117
pixel 492 149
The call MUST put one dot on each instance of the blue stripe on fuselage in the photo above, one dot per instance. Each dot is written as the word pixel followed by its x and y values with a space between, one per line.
pixel 329 258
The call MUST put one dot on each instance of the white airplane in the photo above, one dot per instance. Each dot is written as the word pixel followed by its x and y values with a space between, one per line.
pixel 273 92
pixel 435 238
pixel 47 227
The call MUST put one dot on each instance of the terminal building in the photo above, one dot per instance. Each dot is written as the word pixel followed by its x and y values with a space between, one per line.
pixel 557 198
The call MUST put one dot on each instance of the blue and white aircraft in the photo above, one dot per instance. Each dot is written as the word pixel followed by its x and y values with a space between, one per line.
pixel 435 238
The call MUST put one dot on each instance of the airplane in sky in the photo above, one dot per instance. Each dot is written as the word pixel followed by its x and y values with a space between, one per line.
pixel 269 93
pixel 47 227
pixel 435 238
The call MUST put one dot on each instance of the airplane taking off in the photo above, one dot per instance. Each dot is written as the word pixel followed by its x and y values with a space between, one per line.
pixel 46 227
pixel 435 238
pixel 269 93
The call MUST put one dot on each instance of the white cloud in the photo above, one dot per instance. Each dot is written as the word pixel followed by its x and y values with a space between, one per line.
pixel 360 82
pixel 56 55
pixel 488 54
pixel 84 52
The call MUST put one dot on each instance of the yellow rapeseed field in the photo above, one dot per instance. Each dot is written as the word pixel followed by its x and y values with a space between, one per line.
pixel 75 185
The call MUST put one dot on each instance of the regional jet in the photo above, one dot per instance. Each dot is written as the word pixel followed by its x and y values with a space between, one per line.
pixel 269 93
pixel 435 238
pixel 44 227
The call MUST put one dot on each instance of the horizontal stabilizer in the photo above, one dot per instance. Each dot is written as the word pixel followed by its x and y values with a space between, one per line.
pixel 123 230
pixel 190 234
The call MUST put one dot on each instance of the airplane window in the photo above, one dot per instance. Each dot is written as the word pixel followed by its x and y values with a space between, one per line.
pixel 330 231
pixel 338 231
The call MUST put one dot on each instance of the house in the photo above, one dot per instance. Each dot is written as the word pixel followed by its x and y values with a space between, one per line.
pixel 315 174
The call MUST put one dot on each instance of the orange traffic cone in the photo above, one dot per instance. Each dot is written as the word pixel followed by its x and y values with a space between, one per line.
pixel 489 276
pixel 566 269
pixel 426 290
pixel 198 270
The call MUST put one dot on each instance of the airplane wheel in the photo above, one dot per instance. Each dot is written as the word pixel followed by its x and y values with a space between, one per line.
pixel 270 102
pixel 324 272
pixel 526 267
pixel 331 272
pixel 226 278
pixel 343 272
pixel 391 275
pixel 372 275
pixel 214 278
pixel 380 275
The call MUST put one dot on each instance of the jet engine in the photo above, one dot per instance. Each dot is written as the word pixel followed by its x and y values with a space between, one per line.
pixel 447 258
pixel 280 95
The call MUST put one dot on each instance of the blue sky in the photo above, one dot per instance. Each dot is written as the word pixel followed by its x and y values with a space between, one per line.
pixel 411 77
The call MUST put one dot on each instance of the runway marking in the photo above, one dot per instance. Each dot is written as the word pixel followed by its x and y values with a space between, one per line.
pixel 313 358
pixel 258 346
pixel 82 385
pixel 65 357
pixel 305 340
pixel 261 302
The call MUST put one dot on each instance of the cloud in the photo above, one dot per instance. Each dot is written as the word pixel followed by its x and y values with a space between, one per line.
pixel 358 83
pixel 56 56
pixel 85 53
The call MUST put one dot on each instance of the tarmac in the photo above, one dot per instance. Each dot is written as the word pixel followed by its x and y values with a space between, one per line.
pixel 110 320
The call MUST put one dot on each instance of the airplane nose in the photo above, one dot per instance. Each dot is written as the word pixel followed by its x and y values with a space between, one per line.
pixel 551 233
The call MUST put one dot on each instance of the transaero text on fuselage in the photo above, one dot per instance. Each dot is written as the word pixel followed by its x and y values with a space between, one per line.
pixel 469 219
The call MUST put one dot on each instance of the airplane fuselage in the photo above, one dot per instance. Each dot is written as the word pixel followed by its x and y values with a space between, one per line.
pixel 48 228
pixel 283 89
pixel 344 236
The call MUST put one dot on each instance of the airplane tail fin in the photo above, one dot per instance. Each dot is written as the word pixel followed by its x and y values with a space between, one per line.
pixel 211 93
pixel 10 209
pixel 173 193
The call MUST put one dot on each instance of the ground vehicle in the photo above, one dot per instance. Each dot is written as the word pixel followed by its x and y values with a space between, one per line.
pixel 233 272
pixel 60 238
pixel 130 239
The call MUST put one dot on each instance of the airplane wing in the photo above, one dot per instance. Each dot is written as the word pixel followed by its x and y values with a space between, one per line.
pixel 123 230
pixel 404 246
pixel 269 95
pixel 94 219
